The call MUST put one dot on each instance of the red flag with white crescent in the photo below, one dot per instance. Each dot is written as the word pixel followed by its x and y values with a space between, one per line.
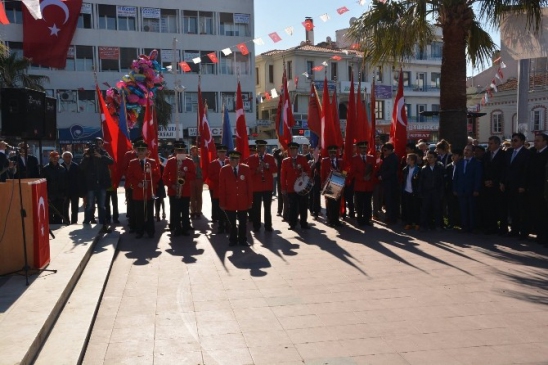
pixel 208 151
pixel 47 40
pixel 242 143
pixel 398 131
pixel 150 131
pixel 40 215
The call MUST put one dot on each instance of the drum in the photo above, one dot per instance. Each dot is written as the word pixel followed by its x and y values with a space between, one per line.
pixel 303 185
pixel 334 185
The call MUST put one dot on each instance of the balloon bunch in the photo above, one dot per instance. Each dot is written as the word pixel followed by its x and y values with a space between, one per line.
pixel 140 85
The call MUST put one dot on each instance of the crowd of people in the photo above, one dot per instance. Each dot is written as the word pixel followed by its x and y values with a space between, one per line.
pixel 501 189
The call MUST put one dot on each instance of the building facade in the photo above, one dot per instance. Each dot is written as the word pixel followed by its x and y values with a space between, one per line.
pixel 110 34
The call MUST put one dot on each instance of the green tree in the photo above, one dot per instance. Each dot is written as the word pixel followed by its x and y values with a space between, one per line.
pixel 391 31
pixel 14 72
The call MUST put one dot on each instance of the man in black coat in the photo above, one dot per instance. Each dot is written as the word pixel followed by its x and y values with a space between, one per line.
pixel 514 183
pixel 388 177
pixel 493 209
pixel 466 186
pixel 537 208
pixel 74 188
pixel 4 161
pixel 54 174
pixel 431 188
pixel 28 166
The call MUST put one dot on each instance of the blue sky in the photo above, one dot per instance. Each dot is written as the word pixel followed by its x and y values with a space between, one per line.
pixel 275 16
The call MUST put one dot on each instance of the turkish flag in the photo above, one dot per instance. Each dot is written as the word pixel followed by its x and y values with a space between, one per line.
pixel 3 17
pixel 184 66
pixel 314 111
pixel 150 131
pixel 308 24
pixel 350 123
pixel 336 58
pixel 342 10
pixel 46 41
pixel 398 132
pixel 362 123
pixel 40 215
pixel 275 37
pixel 242 143
pixel 213 57
pixel 243 48
pixel 208 151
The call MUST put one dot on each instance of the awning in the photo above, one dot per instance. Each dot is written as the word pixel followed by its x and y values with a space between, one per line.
pixel 430 113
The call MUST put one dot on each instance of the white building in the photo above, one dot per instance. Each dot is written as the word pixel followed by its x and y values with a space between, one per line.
pixel 136 27
pixel 421 83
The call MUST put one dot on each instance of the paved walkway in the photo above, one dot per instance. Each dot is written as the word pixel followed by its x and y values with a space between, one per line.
pixel 324 296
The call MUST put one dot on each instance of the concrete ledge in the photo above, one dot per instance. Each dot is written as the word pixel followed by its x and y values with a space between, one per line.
pixel 28 313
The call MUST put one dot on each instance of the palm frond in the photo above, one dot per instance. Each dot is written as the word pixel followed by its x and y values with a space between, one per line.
pixel 480 45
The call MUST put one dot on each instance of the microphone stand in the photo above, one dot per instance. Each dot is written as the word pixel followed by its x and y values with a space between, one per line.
pixel 26 268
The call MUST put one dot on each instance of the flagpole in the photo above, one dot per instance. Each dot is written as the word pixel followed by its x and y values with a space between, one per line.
pixel 177 87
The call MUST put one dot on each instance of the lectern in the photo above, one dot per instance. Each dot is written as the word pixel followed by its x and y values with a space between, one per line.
pixel 34 194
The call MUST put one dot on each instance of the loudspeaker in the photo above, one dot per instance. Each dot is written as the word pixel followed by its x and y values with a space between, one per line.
pixel 50 119
pixel 23 112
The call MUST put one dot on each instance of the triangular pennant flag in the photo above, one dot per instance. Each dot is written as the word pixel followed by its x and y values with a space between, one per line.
pixel 355 46
pixel 494 86
pixel 305 74
pixel 274 93
pixel 275 37
pixel 197 60
pixel 361 2
pixel 324 17
pixel 324 63
pixel 226 51
pixel 308 24
pixel 258 41
pixel 342 10
pixel 289 30
pixel 33 6
pixel 502 64
pixel 486 97
pixel 213 57
pixel 336 58
pixel 317 68
pixel 184 66
pixel 243 48
pixel 3 17
pixel 497 76
pixel 499 72
pixel 296 80
pixel 345 52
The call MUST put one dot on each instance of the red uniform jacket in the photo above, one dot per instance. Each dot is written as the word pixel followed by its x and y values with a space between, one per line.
pixel 268 172
pixel 213 176
pixel 363 173
pixel 326 167
pixel 128 156
pixel 235 193
pixel 291 171
pixel 171 175
pixel 136 174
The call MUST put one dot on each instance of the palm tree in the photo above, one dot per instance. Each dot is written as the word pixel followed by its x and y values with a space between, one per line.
pixel 390 32
pixel 163 107
pixel 14 72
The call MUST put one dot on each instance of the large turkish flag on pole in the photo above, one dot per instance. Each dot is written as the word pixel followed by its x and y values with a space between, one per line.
pixel 398 131
pixel 46 40
pixel 242 143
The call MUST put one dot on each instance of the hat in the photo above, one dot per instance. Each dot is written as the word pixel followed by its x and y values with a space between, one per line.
pixel 292 145
pixel 252 147
pixel 140 145
pixel 137 140
pixel 222 148
pixel 98 139
pixel 234 154
pixel 332 148
pixel 362 144
pixel 54 154
pixel 179 145
pixel 261 142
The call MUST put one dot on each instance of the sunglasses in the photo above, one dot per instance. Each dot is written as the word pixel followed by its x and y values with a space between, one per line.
pixel 515 140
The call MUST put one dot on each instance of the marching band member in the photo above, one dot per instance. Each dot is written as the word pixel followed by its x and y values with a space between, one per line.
pixel 293 167
pixel 214 169
pixel 362 166
pixel 263 168
pixel 236 197
pixel 143 175
pixel 328 164
pixel 128 156
pixel 179 172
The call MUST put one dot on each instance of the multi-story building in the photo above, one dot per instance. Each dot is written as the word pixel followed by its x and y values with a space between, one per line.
pixel 110 34
pixel 421 83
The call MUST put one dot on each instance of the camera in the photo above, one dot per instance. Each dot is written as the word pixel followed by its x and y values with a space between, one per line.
pixel 91 149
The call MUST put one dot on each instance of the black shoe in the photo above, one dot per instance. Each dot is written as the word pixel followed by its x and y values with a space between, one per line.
pixel 305 226
pixel 93 221
pixel 105 229
pixel 337 224
pixel 291 228
pixel 85 222
pixel 232 243
pixel 352 215
pixel 139 235
pixel 244 243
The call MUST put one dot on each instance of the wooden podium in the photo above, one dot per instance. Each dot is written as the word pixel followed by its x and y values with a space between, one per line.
pixel 35 203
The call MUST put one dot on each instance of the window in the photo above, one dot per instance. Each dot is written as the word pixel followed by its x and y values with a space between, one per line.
pixel 207 22
pixel 13 11
pixel 170 99
pixel 67 101
pixel 84 19
pixel 86 101
pixel 188 57
pixel 168 21
pixel 107 17
pixel 208 67
pixel 151 19
pixel 334 71
pixel 229 101
pixel 537 119
pixel 436 49
pixel 109 58
pixel 309 67
pixel 190 22
pixel 435 78
pixel 79 58
pixel 127 17
pixel 191 101
pixel 496 122
pixel 406 79
pixel 421 108
pixel 17 48
pixel 350 72
pixel 236 25
pixel 420 53
pixel 378 74
pixel 379 109
pixel 127 55
pixel 289 69
pixel 408 109
pixel 271 74
pixel 420 81
pixel 257 80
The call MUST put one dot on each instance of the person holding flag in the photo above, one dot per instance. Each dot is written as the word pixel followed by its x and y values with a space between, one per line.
pixel 263 168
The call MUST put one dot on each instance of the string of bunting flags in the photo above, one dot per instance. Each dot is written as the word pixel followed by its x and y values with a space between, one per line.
pixel 499 76
pixel 275 37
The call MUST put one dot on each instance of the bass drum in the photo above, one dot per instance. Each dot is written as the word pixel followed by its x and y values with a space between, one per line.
pixel 303 185
pixel 334 186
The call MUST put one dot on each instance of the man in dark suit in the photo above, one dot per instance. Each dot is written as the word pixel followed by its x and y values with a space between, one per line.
pixel 388 176
pixel 4 161
pixel 493 200
pixel 74 188
pixel 514 183
pixel 536 177
pixel 431 188
pixel 466 186
pixel 27 165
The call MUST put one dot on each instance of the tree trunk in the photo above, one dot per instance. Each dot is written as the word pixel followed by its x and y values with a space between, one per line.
pixel 454 22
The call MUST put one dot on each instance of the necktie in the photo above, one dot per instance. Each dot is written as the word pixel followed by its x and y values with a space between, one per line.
pixel 465 163
pixel 222 163
pixel 143 164
pixel 492 156
pixel 334 163
pixel 363 158
pixel 513 155
pixel 235 172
